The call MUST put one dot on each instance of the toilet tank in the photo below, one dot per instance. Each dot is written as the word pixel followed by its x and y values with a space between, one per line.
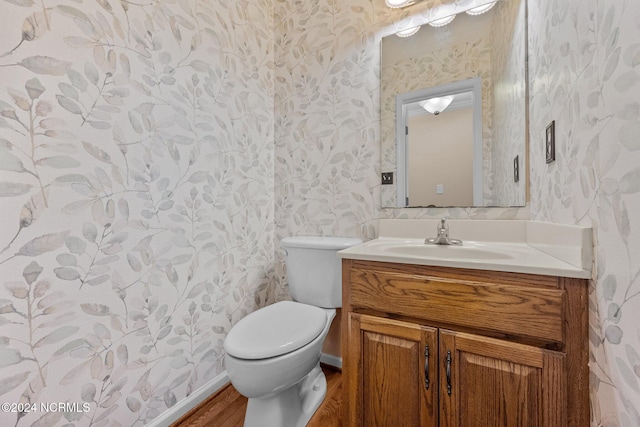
pixel 314 271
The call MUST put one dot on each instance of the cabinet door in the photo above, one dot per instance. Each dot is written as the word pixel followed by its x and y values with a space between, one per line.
pixel 392 374
pixel 488 382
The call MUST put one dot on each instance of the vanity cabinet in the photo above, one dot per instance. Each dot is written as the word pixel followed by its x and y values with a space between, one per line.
pixel 437 346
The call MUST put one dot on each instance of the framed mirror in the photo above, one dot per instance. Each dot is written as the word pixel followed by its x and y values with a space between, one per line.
pixel 473 150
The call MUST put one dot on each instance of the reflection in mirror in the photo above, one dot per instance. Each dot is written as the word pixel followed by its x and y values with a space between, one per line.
pixel 439 145
pixel 441 161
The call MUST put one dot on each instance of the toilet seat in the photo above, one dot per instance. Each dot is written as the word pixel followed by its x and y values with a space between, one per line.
pixel 275 330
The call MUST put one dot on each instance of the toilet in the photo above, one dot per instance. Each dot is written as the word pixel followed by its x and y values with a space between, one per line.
pixel 273 354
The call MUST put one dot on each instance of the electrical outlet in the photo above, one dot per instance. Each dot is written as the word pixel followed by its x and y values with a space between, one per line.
pixel 440 189
pixel 387 178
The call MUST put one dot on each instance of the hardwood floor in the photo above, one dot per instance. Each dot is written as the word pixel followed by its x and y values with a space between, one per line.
pixel 226 407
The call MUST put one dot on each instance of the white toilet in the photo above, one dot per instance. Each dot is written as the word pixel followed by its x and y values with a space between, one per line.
pixel 273 354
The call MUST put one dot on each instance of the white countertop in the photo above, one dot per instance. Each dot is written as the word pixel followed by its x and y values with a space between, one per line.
pixel 513 246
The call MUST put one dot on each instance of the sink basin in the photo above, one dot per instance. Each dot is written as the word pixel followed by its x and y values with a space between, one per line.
pixel 448 252
pixel 492 245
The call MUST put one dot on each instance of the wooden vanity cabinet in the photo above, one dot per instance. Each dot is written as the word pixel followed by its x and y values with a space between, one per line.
pixel 434 346
pixel 390 372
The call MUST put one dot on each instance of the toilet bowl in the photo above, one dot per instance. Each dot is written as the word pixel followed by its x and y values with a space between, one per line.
pixel 283 390
pixel 273 354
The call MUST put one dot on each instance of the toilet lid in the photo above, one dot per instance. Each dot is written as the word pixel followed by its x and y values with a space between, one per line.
pixel 274 330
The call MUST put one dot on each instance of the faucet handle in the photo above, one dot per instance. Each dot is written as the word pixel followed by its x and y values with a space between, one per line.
pixel 442 236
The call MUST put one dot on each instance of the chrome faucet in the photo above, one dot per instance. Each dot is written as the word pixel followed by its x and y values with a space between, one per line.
pixel 442 236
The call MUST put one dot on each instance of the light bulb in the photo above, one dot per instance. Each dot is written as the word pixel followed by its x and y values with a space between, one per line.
pixel 395 4
pixel 441 22
pixel 436 105
pixel 408 32
pixel 481 9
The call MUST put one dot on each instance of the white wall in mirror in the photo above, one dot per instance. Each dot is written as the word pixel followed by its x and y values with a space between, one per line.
pixel 450 143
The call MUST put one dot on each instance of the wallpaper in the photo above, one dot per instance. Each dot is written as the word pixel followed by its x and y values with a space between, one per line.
pixel 508 59
pixel 583 64
pixel 584 68
pixel 152 154
pixel 327 118
pixel 136 198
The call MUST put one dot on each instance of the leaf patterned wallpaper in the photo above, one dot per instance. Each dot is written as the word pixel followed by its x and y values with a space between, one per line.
pixel 509 106
pixel 584 62
pixel 136 197
pixel 327 116
pixel 152 154
pixel 585 74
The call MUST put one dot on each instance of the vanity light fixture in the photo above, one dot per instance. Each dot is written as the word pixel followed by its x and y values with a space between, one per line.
pixel 441 22
pixel 481 9
pixel 436 105
pixel 408 32
pixel 396 4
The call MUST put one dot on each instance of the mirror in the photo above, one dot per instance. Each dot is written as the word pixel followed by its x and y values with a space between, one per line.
pixel 473 151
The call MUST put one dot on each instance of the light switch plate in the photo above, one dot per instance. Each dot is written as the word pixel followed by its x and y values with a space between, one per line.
pixel 550 142
pixel 387 178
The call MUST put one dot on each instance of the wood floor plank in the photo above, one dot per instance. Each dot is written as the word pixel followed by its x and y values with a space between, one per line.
pixel 226 407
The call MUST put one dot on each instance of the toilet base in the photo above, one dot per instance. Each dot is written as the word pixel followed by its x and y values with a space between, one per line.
pixel 292 407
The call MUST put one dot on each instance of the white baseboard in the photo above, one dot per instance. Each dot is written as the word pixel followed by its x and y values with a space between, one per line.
pixel 331 360
pixel 179 409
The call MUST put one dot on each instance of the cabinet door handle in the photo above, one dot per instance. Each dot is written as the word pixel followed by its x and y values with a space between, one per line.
pixel 449 372
pixel 426 367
